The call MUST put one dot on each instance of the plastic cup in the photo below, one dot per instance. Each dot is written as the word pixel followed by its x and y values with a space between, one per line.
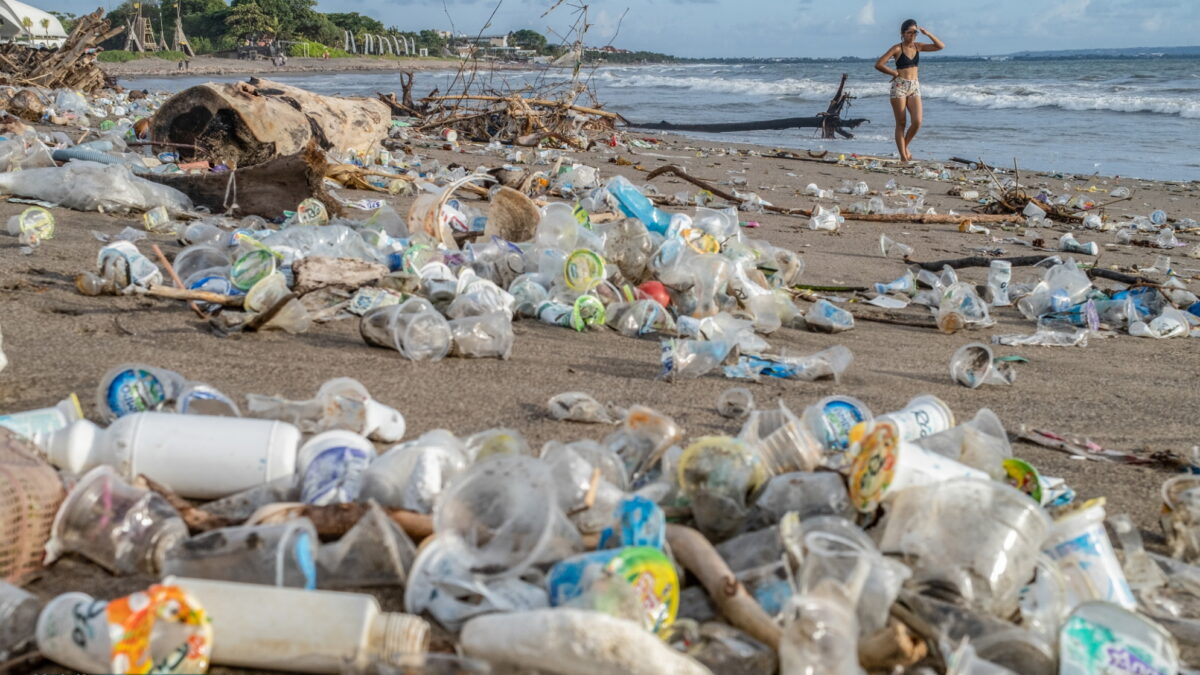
pixel 18 618
pixel 331 467
pixel 735 403
pixel 999 276
pixel 978 534
pixel 72 631
pixel 1100 637
pixel 920 417
pixel 1080 545
pixel 832 556
pixel 975 364
pixel 505 512
pixel 583 270
pixel 886 464
pixel 267 292
pixel 831 419
pixel 251 268
pixel 422 335
pixel 647 569
pixel 273 555
pixel 161 629
pixel 781 440
pixel 122 528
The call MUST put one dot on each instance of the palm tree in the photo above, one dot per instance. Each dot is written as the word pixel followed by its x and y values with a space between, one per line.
pixel 28 24
pixel 46 27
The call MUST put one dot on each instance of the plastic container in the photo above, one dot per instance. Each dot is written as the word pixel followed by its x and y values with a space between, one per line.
pixel 920 417
pixel 134 387
pixel 635 205
pixel 831 419
pixel 275 555
pixel 505 512
pixel 36 424
pixel 18 619
pixel 122 528
pixel 331 467
pixel 1101 637
pixel 999 277
pixel 781 440
pixel 289 629
pixel 978 535
pixel 412 475
pixel 160 630
pixel 414 329
pixel 648 570
pixel 573 642
pixel 974 364
pixel 197 456
pixel 1080 545
pixel 30 494
pixel 735 403
pixel 830 555
pixel 886 464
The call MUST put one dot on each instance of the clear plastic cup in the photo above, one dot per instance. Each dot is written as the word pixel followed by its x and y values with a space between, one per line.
pixel 1080 545
pixel 122 528
pixel 832 556
pixel 975 364
pixel 331 466
pixel 18 618
pixel 274 555
pixel 199 257
pixel 782 441
pixel 505 512
pixel 977 534
pixel 419 333
pixel 735 403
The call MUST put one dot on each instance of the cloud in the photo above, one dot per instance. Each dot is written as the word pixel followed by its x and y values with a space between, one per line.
pixel 866 15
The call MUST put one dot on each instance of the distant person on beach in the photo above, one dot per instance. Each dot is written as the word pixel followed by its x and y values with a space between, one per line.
pixel 906 90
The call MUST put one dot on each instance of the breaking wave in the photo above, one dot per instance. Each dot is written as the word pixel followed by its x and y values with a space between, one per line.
pixel 1017 95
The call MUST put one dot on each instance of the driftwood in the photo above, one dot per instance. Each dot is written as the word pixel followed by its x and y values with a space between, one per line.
pixel 315 272
pixel 979 261
pixel 894 645
pixel 247 123
pixel 72 66
pixel 829 122
pixel 524 118
pixel 172 293
pixel 266 189
pixel 1028 260
pixel 931 218
pixel 698 556
pixel 727 196
pixel 334 520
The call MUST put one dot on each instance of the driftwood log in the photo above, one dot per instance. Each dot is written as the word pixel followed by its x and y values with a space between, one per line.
pixel 829 122
pixel 267 189
pixel 248 123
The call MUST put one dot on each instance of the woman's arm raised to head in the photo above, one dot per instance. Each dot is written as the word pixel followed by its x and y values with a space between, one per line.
pixel 881 64
pixel 937 45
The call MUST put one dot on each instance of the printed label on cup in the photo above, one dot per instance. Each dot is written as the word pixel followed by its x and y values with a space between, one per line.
pixel 334 476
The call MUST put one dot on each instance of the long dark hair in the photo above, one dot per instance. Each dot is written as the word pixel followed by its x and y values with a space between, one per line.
pixel 908 23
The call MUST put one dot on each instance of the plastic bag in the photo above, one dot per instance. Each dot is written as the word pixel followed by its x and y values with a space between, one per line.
pixel 88 186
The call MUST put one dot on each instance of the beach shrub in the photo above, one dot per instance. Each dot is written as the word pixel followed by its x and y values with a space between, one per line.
pixel 315 50
pixel 116 56
pixel 171 55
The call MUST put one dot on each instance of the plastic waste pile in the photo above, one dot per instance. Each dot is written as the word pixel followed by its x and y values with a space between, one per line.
pixel 763 550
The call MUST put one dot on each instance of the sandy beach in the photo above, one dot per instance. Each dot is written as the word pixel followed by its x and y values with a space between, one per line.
pixel 1122 392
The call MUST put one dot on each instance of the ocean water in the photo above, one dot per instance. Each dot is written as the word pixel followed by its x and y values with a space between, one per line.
pixel 1133 117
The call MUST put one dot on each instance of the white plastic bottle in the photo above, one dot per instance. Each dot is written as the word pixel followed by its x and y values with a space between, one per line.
pixel 291 629
pixel 197 456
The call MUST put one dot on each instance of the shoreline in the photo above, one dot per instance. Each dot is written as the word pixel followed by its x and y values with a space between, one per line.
pixel 153 67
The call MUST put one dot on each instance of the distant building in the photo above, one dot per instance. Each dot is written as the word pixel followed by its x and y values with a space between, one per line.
pixel 486 41
pixel 606 49
pixel 23 23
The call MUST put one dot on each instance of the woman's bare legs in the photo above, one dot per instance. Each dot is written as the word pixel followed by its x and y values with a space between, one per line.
pixel 915 117
pixel 898 109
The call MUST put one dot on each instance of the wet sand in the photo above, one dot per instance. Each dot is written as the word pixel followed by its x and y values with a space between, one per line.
pixel 1124 392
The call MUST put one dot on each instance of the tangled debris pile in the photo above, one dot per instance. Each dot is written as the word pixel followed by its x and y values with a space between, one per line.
pixel 71 66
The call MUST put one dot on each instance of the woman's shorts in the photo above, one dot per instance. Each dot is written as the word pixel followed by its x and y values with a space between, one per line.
pixel 902 88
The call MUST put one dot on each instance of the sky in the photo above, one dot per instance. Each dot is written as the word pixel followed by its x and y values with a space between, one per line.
pixel 799 28
pixel 816 28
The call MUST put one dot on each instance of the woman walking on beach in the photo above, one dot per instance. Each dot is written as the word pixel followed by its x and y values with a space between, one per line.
pixel 906 90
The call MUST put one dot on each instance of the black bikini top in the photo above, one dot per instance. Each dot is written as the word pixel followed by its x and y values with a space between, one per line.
pixel 902 60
